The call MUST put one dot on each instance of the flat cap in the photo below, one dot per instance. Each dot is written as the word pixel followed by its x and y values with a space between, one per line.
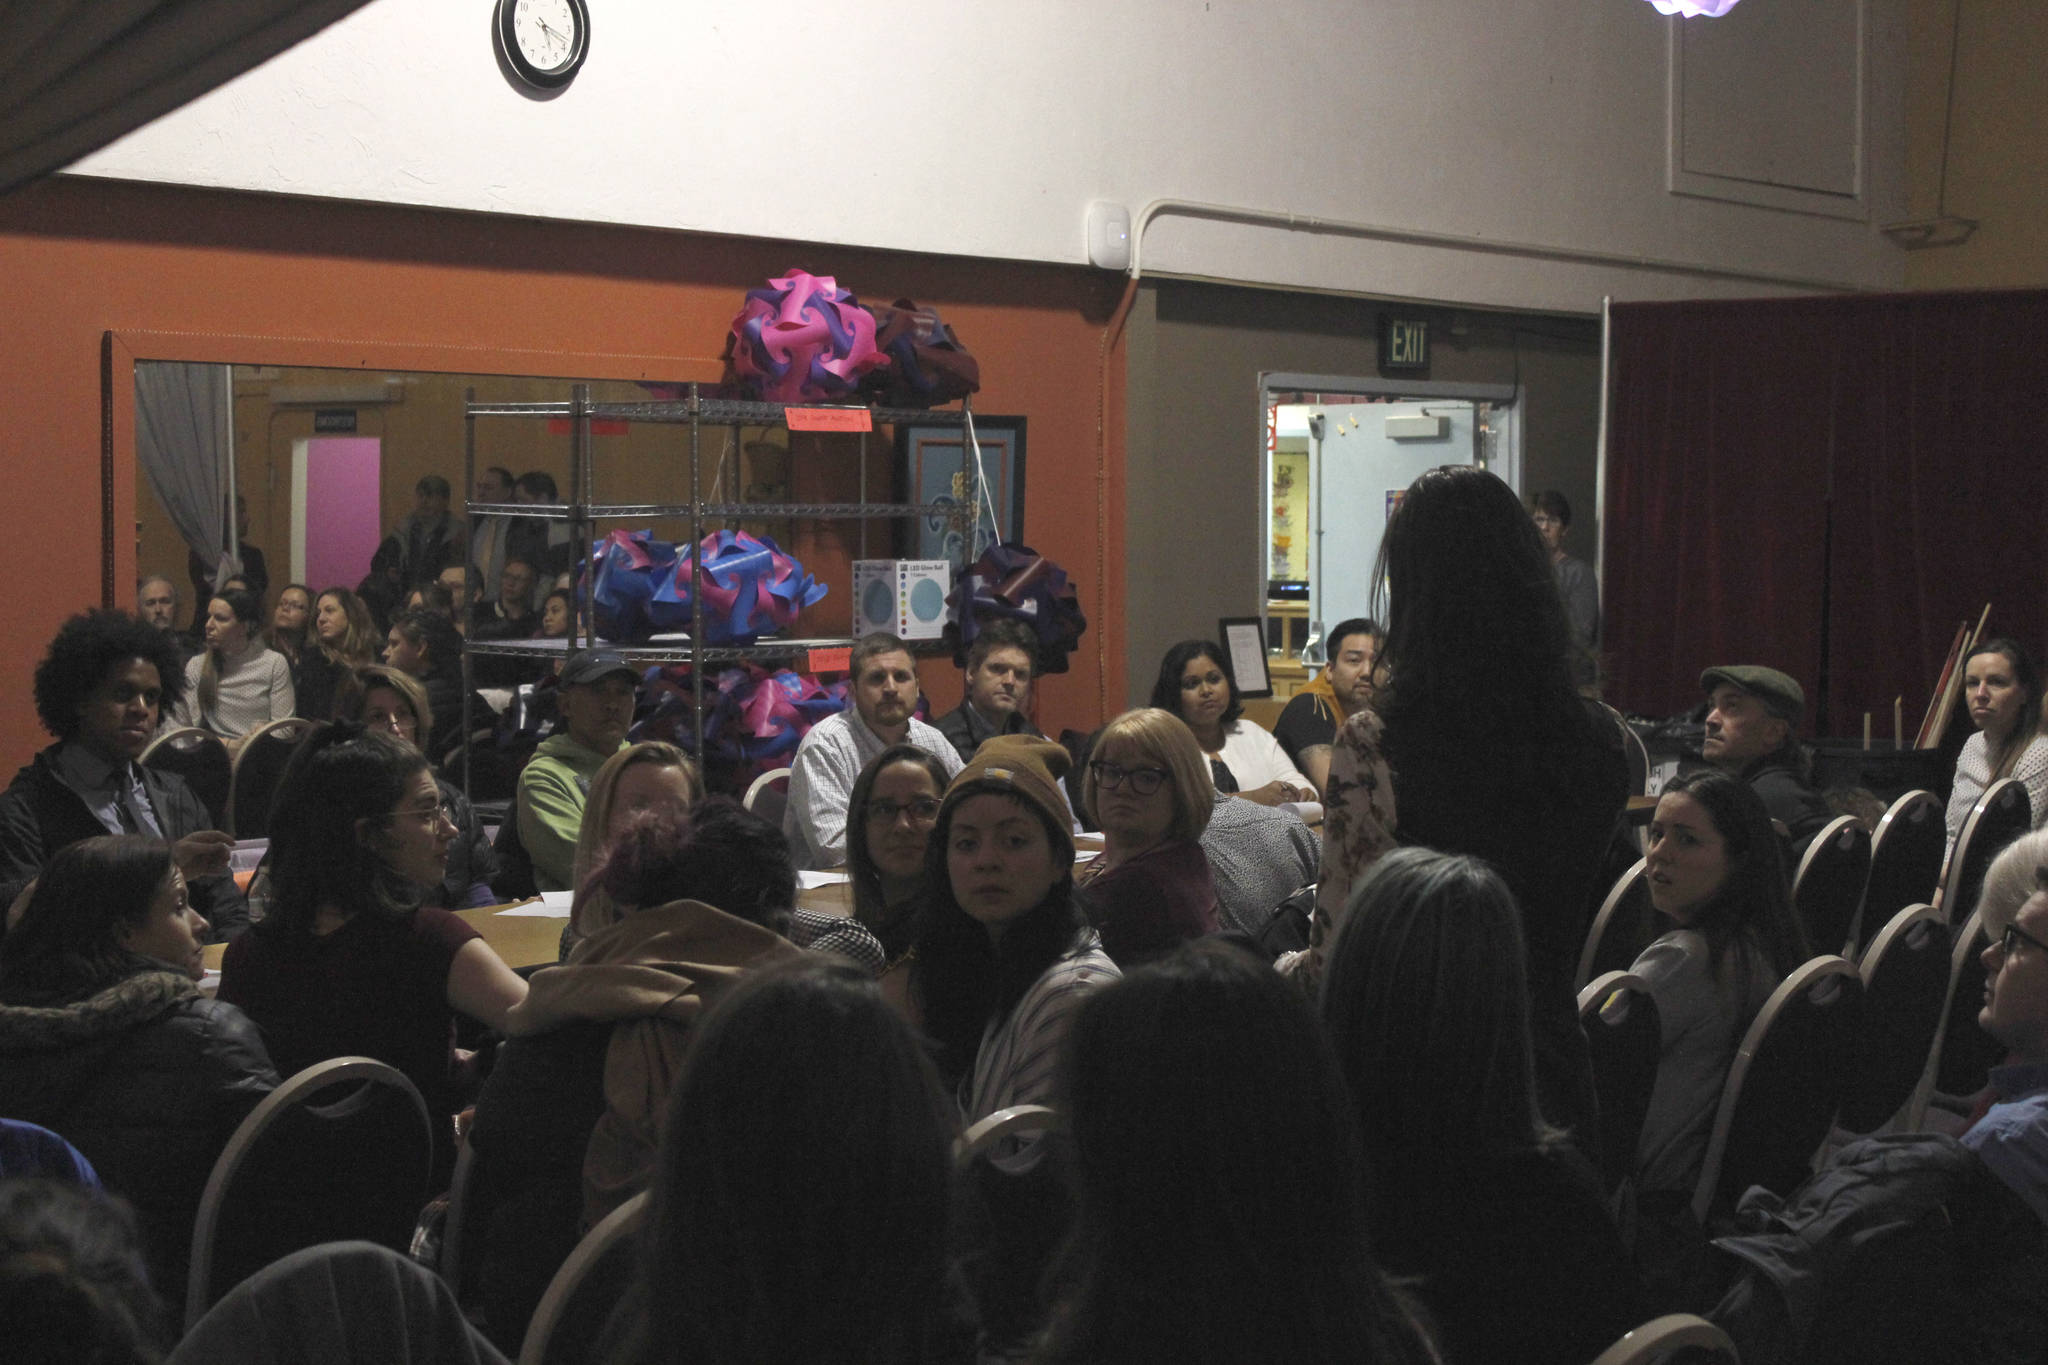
pixel 1781 695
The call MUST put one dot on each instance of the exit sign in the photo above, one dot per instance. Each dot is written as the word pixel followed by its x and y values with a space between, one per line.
pixel 1404 344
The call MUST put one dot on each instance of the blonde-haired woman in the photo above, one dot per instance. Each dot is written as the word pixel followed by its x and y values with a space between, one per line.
pixel 648 776
pixel 1148 789
pixel 341 639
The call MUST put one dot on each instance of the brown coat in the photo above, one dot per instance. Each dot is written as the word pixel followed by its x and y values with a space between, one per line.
pixel 650 975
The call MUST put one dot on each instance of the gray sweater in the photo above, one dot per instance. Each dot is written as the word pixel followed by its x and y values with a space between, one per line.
pixel 255 689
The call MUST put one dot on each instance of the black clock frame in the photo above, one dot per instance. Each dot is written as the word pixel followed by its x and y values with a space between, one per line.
pixel 515 60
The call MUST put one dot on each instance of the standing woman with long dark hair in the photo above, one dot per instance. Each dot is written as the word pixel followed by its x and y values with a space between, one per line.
pixel 236 684
pixel 1480 743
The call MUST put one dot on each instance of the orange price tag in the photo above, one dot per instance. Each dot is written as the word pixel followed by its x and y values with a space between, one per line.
pixel 829 419
pixel 828 660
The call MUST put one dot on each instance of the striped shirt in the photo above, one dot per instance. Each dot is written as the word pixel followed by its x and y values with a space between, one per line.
pixel 1020 1052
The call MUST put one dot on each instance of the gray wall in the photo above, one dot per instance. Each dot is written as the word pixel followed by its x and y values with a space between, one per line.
pixel 1194 466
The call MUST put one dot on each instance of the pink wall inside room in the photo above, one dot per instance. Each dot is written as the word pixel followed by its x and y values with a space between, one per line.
pixel 335 511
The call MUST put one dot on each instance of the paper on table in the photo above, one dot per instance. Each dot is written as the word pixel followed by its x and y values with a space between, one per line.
pixel 808 881
pixel 551 905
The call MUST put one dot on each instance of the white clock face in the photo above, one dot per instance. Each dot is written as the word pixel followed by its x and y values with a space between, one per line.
pixel 545 31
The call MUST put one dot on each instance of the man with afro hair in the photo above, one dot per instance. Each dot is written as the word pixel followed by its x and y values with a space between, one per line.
pixel 100 690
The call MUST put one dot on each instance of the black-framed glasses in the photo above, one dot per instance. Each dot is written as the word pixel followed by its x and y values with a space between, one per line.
pixel 922 811
pixel 1144 781
pixel 2013 936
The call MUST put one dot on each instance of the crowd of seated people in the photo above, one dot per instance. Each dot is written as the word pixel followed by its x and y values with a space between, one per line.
pixel 1382 1146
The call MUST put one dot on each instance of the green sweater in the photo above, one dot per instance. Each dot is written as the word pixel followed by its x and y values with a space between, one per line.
pixel 552 791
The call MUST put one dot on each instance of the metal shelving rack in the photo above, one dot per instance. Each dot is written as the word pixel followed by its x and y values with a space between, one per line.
pixel 696 412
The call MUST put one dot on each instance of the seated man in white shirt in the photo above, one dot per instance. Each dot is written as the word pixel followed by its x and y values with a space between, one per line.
pixel 838 747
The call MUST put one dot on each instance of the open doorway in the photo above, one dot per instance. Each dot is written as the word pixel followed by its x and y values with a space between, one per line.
pixel 1339 453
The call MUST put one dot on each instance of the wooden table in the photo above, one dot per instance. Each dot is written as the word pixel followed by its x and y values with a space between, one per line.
pixel 532 940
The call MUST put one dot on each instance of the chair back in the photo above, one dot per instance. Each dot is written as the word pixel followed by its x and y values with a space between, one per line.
pixel 1905 859
pixel 1638 760
pixel 339 1303
pixel 342 1151
pixel 1905 978
pixel 1663 1339
pixel 768 795
pixel 1828 887
pixel 2002 814
pixel 1017 1121
pixel 1621 930
pixel 202 760
pixel 1967 1052
pixel 1784 1086
pixel 258 766
pixel 1625 1040
pixel 579 1301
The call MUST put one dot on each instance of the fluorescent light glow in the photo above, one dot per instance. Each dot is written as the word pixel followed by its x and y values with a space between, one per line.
pixel 1695 9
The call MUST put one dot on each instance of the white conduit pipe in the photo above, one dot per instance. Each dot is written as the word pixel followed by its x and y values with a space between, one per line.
pixel 1492 246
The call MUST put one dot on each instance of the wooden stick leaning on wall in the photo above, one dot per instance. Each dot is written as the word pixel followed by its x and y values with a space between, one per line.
pixel 1953 679
pixel 1921 738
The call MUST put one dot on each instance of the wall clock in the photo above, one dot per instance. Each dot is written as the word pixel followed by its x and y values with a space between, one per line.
pixel 543 42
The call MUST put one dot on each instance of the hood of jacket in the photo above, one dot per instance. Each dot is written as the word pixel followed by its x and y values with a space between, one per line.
pixel 665 962
pixel 49 1054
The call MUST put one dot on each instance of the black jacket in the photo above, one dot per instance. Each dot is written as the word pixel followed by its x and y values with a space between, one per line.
pixel 39 815
pixel 1801 809
pixel 148 1079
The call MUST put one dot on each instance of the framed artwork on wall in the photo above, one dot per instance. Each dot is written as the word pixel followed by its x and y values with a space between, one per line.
pixel 1244 648
pixel 931 464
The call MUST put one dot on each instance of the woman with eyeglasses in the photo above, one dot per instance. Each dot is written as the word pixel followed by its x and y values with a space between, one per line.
pixel 349 961
pixel 889 821
pixel 391 701
pixel 1243 757
pixel 1147 789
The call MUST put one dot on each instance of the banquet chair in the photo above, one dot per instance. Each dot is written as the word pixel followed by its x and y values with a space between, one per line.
pixel 258 766
pixel 580 1299
pixel 341 1151
pixel 1785 1084
pixel 1671 1338
pixel 339 1303
pixel 1828 887
pixel 1959 1064
pixel 768 794
pixel 2002 814
pixel 202 760
pixel 1621 930
pixel 1905 860
pixel 1624 1040
pixel 1905 978
pixel 1018 1121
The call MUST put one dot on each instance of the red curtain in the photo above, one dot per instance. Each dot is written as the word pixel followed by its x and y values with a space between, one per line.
pixel 1823 485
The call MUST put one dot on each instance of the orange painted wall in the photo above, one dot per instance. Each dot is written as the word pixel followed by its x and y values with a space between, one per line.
pixel 183 274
